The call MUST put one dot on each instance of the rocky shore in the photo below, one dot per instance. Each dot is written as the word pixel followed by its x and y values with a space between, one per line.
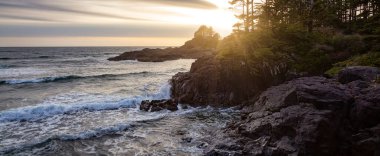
pixel 308 116
pixel 304 116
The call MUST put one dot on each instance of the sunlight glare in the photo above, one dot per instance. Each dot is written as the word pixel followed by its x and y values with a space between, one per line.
pixel 221 19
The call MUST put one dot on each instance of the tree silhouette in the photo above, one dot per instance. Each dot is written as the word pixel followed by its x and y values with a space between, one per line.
pixel 204 37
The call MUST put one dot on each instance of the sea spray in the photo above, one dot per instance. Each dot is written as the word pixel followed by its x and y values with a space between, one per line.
pixel 66 78
pixel 47 110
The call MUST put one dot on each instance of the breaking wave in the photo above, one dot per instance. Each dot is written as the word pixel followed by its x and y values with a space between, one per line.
pixel 31 113
pixel 65 78
pixel 97 132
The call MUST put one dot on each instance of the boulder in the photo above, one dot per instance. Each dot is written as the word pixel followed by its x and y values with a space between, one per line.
pixel 354 73
pixel 158 105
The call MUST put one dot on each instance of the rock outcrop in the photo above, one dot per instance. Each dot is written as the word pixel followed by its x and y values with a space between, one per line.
pixel 160 55
pixel 216 82
pixel 359 73
pixel 308 116
pixel 158 105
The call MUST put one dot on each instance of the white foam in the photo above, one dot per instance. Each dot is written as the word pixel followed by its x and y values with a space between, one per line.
pixel 20 81
pixel 48 110
pixel 21 72
pixel 97 132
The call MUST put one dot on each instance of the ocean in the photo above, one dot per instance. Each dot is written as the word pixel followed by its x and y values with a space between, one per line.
pixel 72 101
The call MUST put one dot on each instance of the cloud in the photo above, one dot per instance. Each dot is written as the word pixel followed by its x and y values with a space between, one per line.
pixel 40 5
pixel 15 8
pixel 200 4
pixel 103 18
pixel 94 30
pixel 27 18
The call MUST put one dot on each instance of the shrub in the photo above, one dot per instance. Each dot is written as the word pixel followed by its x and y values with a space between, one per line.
pixel 370 59
pixel 231 45
pixel 350 44
pixel 204 37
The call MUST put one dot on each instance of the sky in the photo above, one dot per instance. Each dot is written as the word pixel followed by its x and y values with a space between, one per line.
pixel 109 22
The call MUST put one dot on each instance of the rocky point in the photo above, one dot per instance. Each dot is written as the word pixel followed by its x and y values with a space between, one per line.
pixel 309 116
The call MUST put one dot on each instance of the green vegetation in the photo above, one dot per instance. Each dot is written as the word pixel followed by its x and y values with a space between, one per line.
pixel 301 36
pixel 368 59
pixel 204 37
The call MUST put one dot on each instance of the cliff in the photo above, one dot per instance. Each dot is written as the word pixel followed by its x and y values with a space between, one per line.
pixel 219 82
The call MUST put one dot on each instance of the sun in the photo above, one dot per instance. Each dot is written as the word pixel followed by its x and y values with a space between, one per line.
pixel 221 19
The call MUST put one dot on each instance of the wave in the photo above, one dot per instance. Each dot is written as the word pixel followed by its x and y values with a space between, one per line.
pixel 26 58
pixel 94 133
pixel 7 51
pixel 98 132
pixel 107 130
pixel 3 66
pixel 45 57
pixel 65 78
pixel 5 58
pixel 116 129
pixel 33 113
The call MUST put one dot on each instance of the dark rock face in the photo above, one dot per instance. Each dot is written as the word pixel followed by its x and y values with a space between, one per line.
pixel 308 116
pixel 366 110
pixel 358 73
pixel 158 105
pixel 160 55
pixel 217 82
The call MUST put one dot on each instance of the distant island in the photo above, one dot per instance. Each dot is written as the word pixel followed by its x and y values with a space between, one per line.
pixel 203 44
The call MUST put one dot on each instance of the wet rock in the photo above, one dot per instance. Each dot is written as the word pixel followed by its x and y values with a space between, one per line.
pixel 181 132
pixel 354 73
pixel 158 105
pixel 187 139
pixel 202 145
pixel 217 153
pixel 156 144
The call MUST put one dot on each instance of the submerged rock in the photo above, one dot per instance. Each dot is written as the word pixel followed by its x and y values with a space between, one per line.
pixel 158 105
pixel 187 139
pixel 308 116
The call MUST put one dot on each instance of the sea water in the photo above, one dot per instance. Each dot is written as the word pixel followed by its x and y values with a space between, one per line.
pixel 72 101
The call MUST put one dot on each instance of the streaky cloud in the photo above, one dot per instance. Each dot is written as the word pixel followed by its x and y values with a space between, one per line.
pixel 40 6
pixel 202 4
pixel 27 18
pixel 94 30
